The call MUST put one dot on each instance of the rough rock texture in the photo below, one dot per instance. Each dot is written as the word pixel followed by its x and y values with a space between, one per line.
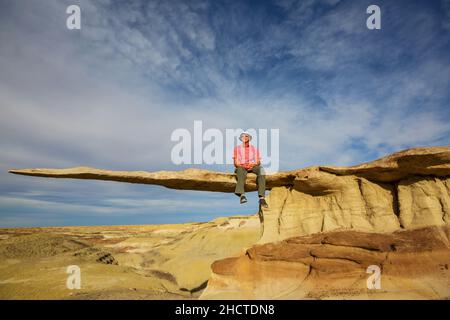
pixel 356 203
pixel 414 264
pixel 407 189
pixel 189 179
pixel 415 161
pixel 325 225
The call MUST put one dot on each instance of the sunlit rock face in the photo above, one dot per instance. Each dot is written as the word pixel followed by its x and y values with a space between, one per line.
pixel 327 201
pixel 410 264
pixel 324 227
pixel 406 189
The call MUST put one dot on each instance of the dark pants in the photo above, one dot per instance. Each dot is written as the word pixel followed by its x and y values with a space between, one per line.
pixel 241 175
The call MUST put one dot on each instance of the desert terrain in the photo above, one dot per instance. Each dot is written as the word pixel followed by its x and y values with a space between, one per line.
pixel 325 230
pixel 119 262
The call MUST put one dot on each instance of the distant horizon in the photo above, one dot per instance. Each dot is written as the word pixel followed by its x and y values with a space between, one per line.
pixel 124 225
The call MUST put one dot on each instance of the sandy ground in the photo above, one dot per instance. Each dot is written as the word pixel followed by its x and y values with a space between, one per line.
pixel 119 262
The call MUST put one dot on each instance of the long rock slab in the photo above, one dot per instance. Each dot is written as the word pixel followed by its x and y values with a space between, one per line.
pixel 415 161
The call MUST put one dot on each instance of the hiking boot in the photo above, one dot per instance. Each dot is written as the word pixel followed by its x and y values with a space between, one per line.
pixel 263 203
pixel 243 199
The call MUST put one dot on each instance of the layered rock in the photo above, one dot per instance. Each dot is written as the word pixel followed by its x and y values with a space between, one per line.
pixel 410 264
pixel 407 189
pixel 355 202
pixel 325 226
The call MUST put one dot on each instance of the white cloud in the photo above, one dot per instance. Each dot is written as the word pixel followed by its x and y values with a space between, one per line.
pixel 110 95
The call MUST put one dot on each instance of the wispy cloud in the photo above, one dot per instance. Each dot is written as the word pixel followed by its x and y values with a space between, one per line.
pixel 110 94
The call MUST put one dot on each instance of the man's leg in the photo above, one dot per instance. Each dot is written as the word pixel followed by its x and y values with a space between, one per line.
pixel 260 180
pixel 241 176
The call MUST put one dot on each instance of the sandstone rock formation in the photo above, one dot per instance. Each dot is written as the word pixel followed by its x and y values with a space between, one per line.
pixel 354 202
pixel 431 161
pixel 325 225
pixel 413 264
pixel 407 189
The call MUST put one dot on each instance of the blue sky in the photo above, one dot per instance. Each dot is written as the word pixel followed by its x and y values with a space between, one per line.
pixel 110 95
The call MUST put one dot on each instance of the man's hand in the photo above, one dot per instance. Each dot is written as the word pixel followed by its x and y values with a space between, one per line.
pixel 246 166
pixel 249 166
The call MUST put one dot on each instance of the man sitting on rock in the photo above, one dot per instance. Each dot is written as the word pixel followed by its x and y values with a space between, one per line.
pixel 247 158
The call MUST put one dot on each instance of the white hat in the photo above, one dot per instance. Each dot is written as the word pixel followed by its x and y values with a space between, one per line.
pixel 245 132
